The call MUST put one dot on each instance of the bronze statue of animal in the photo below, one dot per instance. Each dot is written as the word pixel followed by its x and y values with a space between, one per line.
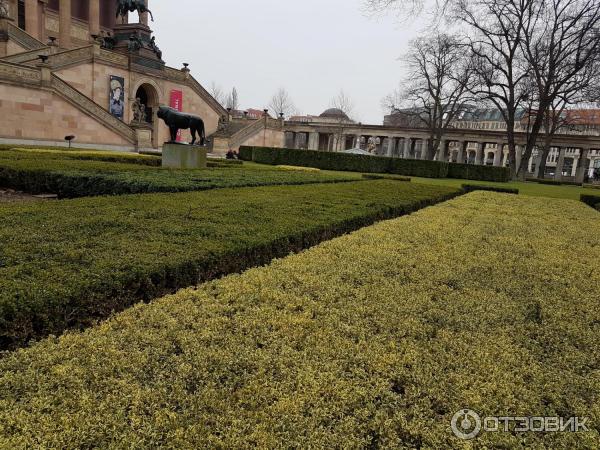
pixel 125 6
pixel 176 121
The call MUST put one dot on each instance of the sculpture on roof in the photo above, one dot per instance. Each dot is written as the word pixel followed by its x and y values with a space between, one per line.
pixel 4 11
pixel 127 6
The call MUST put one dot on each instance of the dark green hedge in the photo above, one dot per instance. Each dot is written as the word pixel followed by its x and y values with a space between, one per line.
pixel 66 264
pixel 346 162
pixel 373 164
pixel 376 176
pixel 591 200
pixel 477 187
pixel 479 173
pixel 73 177
pixel 246 153
pixel 553 182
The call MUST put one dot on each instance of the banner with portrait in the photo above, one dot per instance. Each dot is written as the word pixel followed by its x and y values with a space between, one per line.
pixel 176 102
pixel 116 104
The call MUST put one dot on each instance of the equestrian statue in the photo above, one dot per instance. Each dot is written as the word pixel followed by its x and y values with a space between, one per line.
pixel 126 6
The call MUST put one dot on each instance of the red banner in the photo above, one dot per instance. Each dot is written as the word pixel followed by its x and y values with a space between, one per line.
pixel 176 102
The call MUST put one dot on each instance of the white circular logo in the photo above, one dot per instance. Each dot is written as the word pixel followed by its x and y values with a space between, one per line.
pixel 466 424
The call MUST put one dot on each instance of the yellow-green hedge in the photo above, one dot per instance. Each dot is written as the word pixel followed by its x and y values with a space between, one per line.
pixel 372 340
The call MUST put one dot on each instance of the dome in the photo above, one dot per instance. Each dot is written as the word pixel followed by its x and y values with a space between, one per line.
pixel 334 113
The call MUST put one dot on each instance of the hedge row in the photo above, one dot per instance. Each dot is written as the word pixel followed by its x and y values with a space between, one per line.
pixel 72 178
pixel 370 341
pixel 66 264
pixel 478 187
pixel 89 155
pixel 479 173
pixel 346 162
pixel 553 182
pixel 373 164
pixel 376 176
pixel 591 200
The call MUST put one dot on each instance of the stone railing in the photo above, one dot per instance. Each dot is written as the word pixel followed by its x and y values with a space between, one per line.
pixel 24 39
pixel 92 108
pixel 20 74
pixel 30 56
pixel 245 133
pixel 185 78
pixel 69 57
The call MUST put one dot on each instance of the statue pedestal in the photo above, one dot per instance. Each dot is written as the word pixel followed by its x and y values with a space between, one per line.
pixel 143 134
pixel 181 156
pixel 144 56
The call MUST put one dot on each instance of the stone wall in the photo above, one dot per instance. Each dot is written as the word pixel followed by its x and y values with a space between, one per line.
pixel 266 138
pixel 36 114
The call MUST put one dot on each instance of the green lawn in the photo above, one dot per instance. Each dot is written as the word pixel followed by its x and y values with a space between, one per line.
pixel 372 340
pixel 64 264
pixel 525 188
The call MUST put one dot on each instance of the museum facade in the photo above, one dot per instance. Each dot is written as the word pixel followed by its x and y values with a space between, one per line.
pixel 75 68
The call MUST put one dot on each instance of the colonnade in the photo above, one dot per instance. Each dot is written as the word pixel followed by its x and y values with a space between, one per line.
pixel 35 11
pixel 477 152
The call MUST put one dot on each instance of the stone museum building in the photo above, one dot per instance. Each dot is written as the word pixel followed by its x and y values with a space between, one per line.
pixel 72 67
pixel 82 68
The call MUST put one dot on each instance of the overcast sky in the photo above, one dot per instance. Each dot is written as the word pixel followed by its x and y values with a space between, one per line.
pixel 312 48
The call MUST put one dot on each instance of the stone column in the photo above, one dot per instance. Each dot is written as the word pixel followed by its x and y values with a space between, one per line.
pixel 560 164
pixel 518 156
pixel 64 24
pixel 144 16
pixel 391 146
pixel 582 165
pixel 443 151
pixel 32 24
pixel 94 17
pixel 424 148
pixel 498 155
pixel 462 150
pixel 313 141
pixel 480 153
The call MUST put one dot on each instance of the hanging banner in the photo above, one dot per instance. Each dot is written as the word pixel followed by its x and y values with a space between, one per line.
pixel 116 104
pixel 176 102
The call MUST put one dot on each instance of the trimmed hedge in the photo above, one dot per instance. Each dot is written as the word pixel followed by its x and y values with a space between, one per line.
pixel 478 187
pixel 71 178
pixel 345 162
pixel 591 200
pixel 375 176
pixel 553 182
pixel 373 164
pixel 245 153
pixel 66 264
pixel 89 155
pixel 479 173
pixel 370 341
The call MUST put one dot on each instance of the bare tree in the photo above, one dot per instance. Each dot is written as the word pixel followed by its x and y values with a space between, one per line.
pixel 562 45
pixel 502 73
pixel 344 103
pixel 282 104
pixel 438 85
pixel 233 101
pixel 217 92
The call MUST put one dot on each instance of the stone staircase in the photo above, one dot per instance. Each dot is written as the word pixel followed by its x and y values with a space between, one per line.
pixel 91 108
pixel 23 38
